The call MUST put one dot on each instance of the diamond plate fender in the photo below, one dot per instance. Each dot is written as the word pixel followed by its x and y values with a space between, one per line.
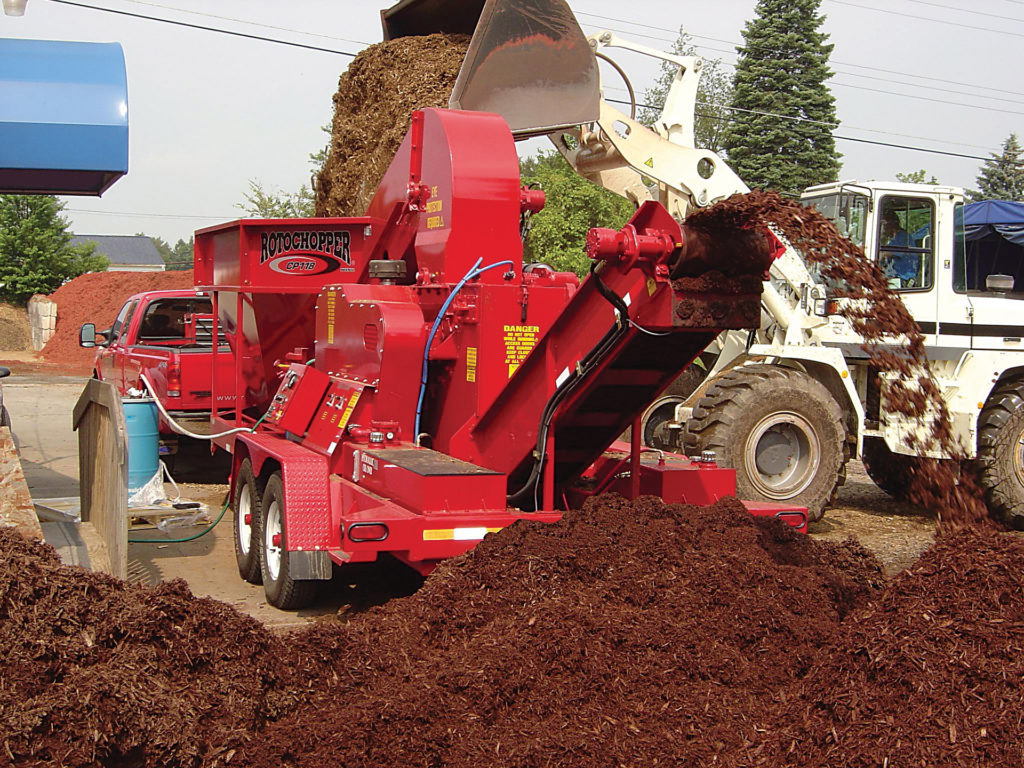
pixel 307 518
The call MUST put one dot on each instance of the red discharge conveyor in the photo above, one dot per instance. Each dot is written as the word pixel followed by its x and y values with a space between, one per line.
pixel 424 388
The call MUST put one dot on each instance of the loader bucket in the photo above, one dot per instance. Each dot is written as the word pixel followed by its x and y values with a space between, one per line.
pixel 528 60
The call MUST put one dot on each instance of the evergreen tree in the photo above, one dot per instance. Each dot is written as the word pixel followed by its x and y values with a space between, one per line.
pixel 782 69
pixel 36 255
pixel 713 96
pixel 1002 177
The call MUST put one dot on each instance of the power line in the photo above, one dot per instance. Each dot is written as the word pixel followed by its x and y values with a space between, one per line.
pixel 204 28
pixel 820 122
pixel 927 18
pixel 243 21
pixel 150 215
pixel 832 62
pixel 971 11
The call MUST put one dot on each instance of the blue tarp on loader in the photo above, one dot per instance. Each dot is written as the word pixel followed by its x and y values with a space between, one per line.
pixel 63 117
pixel 988 216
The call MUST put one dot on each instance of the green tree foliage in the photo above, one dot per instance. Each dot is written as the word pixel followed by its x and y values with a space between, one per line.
pixel 714 95
pixel 782 70
pixel 1002 176
pixel 916 177
pixel 177 258
pixel 36 254
pixel 574 205
pixel 265 204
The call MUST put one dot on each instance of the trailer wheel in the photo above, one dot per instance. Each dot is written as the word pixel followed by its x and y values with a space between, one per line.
pixel 246 509
pixel 655 421
pixel 779 429
pixel 1001 452
pixel 281 589
pixel 890 471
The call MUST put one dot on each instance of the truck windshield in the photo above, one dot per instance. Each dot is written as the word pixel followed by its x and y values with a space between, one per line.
pixel 848 211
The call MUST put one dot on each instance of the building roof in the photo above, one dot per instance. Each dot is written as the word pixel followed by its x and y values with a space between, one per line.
pixel 123 249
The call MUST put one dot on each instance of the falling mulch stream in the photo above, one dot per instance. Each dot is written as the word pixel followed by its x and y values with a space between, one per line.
pixel 892 340
pixel 376 95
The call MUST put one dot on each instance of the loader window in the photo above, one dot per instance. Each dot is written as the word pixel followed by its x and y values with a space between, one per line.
pixel 849 212
pixel 905 249
pixel 986 261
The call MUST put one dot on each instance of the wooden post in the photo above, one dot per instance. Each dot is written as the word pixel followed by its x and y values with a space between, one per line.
pixel 103 468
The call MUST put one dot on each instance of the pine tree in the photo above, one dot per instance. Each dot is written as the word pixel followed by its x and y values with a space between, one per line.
pixel 782 70
pixel 1002 177
pixel 714 93
pixel 36 254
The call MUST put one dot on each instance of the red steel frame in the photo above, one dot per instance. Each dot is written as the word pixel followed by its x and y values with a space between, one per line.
pixel 530 375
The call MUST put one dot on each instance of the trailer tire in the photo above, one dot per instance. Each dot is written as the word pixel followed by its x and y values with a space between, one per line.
pixel 892 472
pixel 1001 452
pixel 281 589
pixel 780 429
pixel 247 503
pixel 654 420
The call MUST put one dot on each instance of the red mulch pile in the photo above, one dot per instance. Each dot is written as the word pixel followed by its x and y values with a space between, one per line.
pixel 629 634
pixel 97 298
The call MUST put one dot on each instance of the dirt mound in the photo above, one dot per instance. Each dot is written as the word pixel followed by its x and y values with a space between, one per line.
pixel 15 335
pixel 96 298
pixel 628 631
pixel 374 103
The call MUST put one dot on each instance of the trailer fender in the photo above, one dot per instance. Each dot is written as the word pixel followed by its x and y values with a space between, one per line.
pixel 307 520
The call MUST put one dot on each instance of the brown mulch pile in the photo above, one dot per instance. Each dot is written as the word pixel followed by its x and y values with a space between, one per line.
pixel 15 335
pixel 97 298
pixel 628 634
pixel 376 97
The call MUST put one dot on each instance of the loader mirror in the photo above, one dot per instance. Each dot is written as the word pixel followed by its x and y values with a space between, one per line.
pixel 87 336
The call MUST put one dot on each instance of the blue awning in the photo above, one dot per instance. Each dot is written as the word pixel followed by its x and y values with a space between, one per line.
pixel 987 216
pixel 63 117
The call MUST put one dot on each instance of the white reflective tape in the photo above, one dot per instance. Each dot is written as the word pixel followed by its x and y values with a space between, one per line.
pixel 468 534
pixel 562 377
pixel 626 300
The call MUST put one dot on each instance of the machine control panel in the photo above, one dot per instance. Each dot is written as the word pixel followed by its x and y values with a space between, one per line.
pixel 298 398
pixel 334 415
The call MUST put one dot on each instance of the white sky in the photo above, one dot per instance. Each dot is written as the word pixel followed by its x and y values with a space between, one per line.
pixel 209 111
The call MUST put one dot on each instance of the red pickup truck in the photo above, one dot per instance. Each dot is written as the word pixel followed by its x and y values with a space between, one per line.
pixel 168 336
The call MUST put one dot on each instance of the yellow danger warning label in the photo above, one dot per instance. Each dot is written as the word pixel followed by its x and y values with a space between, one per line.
pixel 471 364
pixel 519 341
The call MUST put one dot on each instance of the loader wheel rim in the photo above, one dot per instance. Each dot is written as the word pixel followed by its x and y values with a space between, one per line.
pixel 1018 458
pixel 244 513
pixel 783 454
pixel 272 531
pixel 657 417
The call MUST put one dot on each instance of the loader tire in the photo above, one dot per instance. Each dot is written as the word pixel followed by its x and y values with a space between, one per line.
pixel 779 429
pixel 1001 453
pixel 282 591
pixel 655 420
pixel 246 509
pixel 892 472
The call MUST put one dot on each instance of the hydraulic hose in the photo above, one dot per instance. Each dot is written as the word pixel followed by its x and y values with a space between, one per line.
pixel 193 537
pixel 475 271
pixel 607 342
pixel 181 430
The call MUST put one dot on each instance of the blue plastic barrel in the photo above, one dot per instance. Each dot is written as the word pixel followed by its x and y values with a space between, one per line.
pixel 141 419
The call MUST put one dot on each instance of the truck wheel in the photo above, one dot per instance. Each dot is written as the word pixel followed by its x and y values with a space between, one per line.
pixel 281 589
pixel 1001 452
pixel 890 471
pixel 246 508
pixel 655 421
pixel 779 429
